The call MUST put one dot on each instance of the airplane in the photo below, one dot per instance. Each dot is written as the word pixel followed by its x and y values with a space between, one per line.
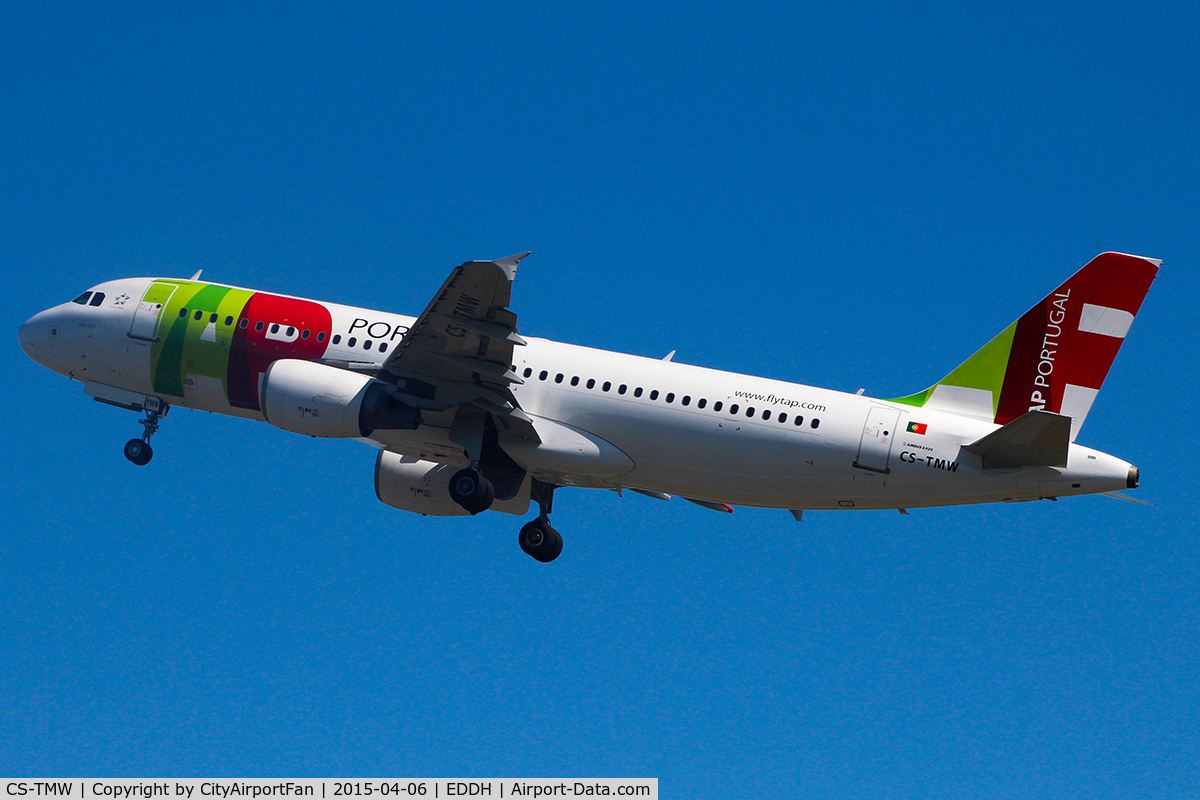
pixel 469 415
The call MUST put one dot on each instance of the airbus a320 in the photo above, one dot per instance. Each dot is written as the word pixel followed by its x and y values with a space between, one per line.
pixel 468 415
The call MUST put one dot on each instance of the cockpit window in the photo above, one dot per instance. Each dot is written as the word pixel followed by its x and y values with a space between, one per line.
pixel 97 299
pixel 82 299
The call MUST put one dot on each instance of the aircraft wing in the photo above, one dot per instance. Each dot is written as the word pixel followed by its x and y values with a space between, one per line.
pixel 460 350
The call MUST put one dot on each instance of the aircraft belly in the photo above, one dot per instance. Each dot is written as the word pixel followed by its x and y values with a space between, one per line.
pixel 723 460
pixel 709 458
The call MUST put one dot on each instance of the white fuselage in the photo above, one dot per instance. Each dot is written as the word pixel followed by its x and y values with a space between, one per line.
pixel 672 428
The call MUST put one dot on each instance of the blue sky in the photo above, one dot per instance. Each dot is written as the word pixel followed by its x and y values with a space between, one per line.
pixel 849 197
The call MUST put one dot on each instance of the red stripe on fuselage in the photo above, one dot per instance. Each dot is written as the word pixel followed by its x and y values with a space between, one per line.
pixel 253 350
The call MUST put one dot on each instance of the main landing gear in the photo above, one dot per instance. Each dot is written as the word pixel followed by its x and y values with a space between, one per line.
pixel 475 493
pixel 139 451
pixel 471 490
pixel 492 474
pixel 537 538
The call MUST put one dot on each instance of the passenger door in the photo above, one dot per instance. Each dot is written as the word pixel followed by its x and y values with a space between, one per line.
pixel 875 446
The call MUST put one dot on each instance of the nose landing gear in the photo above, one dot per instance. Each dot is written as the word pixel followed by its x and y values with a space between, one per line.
pixel 139 451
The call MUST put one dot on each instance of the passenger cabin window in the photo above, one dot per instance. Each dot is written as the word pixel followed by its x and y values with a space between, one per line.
pixel 182 313
pixel 701 403
pixel 97 299
pixel 621 389
pixel 258 326
pixel 750 411
pixel 575 381
pixel 198 315
pixel 83 298
pixel 337 338
pixel 528 372
pixel 558 378
pixel 275 328
pixel 767 414
pixel 670 397
pixel 815 423
pixel 654 394
pixel 228 321
pixel 383 347
pixel 367 344
pixel 290 330
pixel 783 418
pixel 243 323
pixel 542 375
pixel 717 405
pixel 321 336
pixel 799 420
pixel 352 341
pixel 305 333
pixel 687 400
pixel 212 317
pixel 591 384
pixel 733 409
pixel 607 385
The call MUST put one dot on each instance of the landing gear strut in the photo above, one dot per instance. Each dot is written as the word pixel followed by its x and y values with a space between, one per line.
pixel 139 451
pixel 537 538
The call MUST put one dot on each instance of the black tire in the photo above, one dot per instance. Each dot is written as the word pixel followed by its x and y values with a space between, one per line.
pixel 539 541
pixel 553 547
pixel 472 491
pixel 139 452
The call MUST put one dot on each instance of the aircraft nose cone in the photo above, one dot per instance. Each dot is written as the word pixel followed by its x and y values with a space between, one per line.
pixel 38 333
pixel 25 335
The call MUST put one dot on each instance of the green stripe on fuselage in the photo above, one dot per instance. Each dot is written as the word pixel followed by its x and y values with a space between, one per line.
pixel 190 346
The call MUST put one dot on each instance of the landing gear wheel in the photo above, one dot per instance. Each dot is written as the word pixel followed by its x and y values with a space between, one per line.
pixel 139 452
pixel 540 541
pixel 472 491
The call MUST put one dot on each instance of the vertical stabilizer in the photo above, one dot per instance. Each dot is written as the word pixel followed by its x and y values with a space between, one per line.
pixel 1056 356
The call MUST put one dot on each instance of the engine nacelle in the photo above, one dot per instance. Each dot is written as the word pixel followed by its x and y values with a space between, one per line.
pixel 318 400
pixel 423 487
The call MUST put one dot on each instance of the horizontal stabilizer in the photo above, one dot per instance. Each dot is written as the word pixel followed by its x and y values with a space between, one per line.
pixel 1126 498
pixel 1034 439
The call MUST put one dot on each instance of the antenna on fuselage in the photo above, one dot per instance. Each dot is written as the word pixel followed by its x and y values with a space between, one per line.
pixel 196 277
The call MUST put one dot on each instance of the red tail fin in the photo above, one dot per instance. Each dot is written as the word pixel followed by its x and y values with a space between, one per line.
pixel 1064 346
pixel 1056 356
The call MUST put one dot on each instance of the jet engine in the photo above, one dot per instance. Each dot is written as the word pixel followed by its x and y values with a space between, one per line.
pixel 423 487
pixel 318 400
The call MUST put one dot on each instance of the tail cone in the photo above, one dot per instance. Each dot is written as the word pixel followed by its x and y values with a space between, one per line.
pixel 1132 481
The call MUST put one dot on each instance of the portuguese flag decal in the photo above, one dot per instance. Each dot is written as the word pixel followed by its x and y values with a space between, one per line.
pixel 917 427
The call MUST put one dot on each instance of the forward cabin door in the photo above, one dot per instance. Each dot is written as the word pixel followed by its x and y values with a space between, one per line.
pixel 145 319
pixel 879 432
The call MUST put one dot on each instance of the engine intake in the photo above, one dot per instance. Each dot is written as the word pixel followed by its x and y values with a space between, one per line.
pixel 318 400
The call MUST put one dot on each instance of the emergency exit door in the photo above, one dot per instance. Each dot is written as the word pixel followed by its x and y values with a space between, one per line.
pixel 875 446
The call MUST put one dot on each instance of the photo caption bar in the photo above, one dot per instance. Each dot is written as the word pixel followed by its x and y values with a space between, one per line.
pixel 255 788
